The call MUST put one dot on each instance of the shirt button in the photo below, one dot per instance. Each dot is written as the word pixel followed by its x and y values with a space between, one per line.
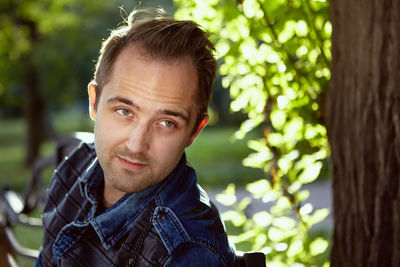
pixel 161 216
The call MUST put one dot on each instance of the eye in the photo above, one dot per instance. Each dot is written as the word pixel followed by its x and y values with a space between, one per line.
pixel 168 124
pixel 124 112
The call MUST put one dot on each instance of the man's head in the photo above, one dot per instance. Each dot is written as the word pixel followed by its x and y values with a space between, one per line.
pixel 164 39
pixel 149 99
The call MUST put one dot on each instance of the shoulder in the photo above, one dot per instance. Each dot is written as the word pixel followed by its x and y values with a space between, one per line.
pixel 185 219
pixel 75 164
pixel 64 183
pixel 193 231
pixel 79 159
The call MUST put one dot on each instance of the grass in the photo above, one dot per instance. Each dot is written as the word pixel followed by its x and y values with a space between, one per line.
pixel 12 172
pixel 218 160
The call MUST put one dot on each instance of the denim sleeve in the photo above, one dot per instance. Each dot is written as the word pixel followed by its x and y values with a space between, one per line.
pixel 194 256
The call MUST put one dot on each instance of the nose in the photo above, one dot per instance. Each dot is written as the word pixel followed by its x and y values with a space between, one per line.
pixel 138 140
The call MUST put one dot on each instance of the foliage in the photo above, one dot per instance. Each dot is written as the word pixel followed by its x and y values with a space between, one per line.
pixel 39 34
pixel 59 39
pixel 274 58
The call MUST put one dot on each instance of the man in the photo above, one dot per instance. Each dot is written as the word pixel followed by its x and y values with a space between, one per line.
pixel 131 200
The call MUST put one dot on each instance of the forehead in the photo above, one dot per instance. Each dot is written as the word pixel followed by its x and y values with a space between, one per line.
pixel 153 80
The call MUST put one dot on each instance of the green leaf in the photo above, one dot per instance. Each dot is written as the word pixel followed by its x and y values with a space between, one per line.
pixel 259 188
pixel 288 31
pixel 262 218
pixel 276 234
pixel 295 248
pixel 307 208
pixel 310 173
pixel 318 216
pixel 318 246
pixel 301 28
pixel 270 196
pixel 237 218
pixel 251 9
pixel 258 160
pixel 278 118
pixel 244 203
pixel 259 242
pixel 227 197
pixel 281 207
pixel 284 223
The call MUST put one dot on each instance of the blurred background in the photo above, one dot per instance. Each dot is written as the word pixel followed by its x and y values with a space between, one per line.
pixel 265 136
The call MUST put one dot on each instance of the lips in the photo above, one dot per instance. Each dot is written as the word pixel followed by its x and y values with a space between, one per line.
pixel 132 165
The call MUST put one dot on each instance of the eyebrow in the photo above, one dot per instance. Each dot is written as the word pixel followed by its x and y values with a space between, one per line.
pixel 174 113
pixel 118 99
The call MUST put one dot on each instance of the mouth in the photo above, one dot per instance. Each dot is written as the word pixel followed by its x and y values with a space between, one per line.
pixel 132 165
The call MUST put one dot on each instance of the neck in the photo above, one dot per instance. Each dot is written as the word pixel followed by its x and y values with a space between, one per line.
pixel 110 195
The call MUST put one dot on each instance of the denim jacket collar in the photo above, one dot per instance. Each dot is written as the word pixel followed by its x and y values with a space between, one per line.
pixel 120 218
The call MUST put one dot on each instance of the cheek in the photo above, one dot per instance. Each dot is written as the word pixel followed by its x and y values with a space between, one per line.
pixel 106 133
pixel 170 149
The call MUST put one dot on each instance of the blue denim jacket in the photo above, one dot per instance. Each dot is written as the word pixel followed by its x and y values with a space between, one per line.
pixel 184 218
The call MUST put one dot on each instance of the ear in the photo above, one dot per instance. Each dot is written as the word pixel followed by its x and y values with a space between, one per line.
pixel 92 99
pixel 200 127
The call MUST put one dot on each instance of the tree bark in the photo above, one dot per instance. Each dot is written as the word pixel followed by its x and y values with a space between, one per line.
pixel 363 122
pixel 39 127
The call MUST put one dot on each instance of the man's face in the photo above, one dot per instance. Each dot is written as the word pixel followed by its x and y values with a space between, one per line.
pixel 144 119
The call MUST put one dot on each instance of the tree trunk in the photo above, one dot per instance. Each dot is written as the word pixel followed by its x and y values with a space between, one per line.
pixel 39 127
pixel 363 122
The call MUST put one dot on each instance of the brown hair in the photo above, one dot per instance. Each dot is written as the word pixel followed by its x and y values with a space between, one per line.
pixel 166 39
